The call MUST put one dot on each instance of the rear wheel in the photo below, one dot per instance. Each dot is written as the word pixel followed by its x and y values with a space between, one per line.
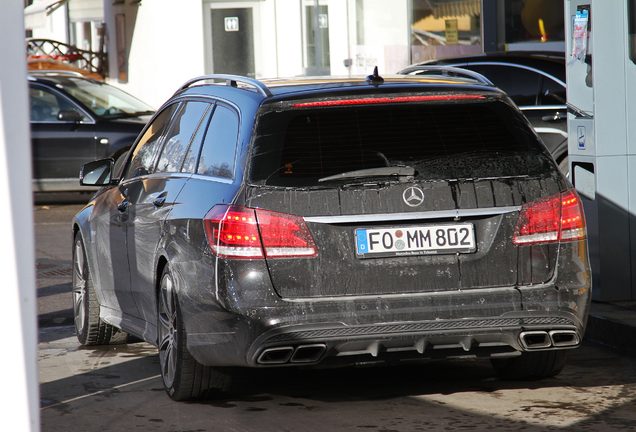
pixel 183 377
pixel 531 365
pixel 90 329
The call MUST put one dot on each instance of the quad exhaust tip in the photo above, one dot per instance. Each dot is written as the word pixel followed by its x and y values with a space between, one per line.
pixel 564 338
pixel 546 339
pixel 288 354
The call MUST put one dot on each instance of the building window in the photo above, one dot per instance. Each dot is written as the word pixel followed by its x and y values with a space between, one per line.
pixel 443 28
pixel 316 29
pixel 530 23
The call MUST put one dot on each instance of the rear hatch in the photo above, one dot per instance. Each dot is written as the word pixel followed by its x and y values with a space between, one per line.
pixel 405 194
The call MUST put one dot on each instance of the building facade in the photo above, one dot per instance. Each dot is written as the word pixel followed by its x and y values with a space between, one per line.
pixel 154 46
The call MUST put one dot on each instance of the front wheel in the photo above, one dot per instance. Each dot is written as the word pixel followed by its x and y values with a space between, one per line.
pixel 89 327
pixel 183 377
pixel 531 365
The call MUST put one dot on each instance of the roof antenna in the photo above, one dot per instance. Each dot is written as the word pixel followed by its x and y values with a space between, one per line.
pixel 375 79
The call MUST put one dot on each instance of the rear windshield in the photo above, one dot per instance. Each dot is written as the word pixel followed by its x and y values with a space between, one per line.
pixel 309 146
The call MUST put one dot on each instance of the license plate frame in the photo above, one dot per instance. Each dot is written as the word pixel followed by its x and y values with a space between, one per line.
pixel 430 239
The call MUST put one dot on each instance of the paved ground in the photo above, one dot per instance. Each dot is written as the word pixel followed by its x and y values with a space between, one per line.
pixel 118 388
pixel 53 245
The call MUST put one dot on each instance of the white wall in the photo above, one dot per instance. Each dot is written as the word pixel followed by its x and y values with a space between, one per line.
pixel 339 38
pixel 166 48
pixel 386 36
pixel 282 47
pixel 169 44
pixel 56 26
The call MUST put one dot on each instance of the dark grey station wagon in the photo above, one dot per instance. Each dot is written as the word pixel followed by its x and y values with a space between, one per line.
pixel 329 221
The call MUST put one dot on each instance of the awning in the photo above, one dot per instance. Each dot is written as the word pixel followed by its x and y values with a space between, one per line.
pixel 35 14
pixel 453 8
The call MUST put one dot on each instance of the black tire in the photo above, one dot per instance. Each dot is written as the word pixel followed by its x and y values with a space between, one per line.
pixel 184 377
pixel 531 365
pixel 90 329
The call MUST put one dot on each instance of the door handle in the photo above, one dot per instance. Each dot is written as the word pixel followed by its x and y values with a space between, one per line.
pixel 123 206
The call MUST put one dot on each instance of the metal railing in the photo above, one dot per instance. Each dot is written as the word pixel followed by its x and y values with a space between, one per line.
pixel 46 49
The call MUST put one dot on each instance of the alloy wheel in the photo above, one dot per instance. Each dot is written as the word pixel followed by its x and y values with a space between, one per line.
pixel 79 288
pixel 168 336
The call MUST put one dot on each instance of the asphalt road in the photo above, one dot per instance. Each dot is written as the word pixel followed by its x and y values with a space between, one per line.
pixel 118 387
pixel 53 253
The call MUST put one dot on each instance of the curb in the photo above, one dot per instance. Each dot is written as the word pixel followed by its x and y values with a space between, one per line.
pixel 611 333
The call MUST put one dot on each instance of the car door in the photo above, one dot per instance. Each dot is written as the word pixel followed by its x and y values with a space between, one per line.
pixel 60 146
pixel 154 197
pixel 113 218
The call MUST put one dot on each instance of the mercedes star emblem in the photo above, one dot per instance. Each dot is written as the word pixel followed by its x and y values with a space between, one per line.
pixel 413 196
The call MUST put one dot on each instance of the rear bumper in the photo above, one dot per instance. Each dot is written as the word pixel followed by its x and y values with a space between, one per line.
pixel 480 323
pixel 340 344
pixel 240 321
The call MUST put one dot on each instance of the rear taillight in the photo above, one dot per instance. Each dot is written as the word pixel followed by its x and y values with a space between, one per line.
pixel 556 218
pixel 240 232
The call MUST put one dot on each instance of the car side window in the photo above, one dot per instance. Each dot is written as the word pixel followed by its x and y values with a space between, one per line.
pixel 179 136
pixel 190 162
pixel 145 152
pixel 521 85
pixel 47 104
pixel 219 145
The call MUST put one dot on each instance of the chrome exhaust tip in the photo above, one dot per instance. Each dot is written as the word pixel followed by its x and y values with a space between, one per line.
pixel 278 355
pixel 535 339
pixel 308 353
pixel 564 338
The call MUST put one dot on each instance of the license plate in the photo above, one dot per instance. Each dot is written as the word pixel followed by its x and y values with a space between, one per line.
pixel 419 240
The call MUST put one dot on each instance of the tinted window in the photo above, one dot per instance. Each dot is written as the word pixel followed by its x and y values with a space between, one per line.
pixel 190 161
pixel 521 85
pixel 463 140
pixel 177 140
pixel 146 150
pixel 219 146
pixel 103 99
pixel 46 104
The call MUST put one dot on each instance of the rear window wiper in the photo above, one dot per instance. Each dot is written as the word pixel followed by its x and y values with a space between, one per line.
pixel 372 172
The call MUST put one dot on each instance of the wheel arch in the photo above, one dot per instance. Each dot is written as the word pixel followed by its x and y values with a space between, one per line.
pixel 162 262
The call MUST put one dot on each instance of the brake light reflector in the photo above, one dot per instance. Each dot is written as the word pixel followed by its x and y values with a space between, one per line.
pixel 240 232
pixel 556 218
pixel 232 232
pixel 363 101
pixel 285 235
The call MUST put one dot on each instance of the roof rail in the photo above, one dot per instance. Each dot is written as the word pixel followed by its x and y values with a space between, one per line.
pixel 231 81
pixel 446 71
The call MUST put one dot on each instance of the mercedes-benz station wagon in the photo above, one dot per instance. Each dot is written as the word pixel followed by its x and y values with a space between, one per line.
pixel 333 222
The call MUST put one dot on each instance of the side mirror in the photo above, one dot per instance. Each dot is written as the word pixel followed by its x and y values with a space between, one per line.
pixel 69 116
pixel 96 173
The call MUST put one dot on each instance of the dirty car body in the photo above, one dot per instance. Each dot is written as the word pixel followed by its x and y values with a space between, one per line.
pixel 324 222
